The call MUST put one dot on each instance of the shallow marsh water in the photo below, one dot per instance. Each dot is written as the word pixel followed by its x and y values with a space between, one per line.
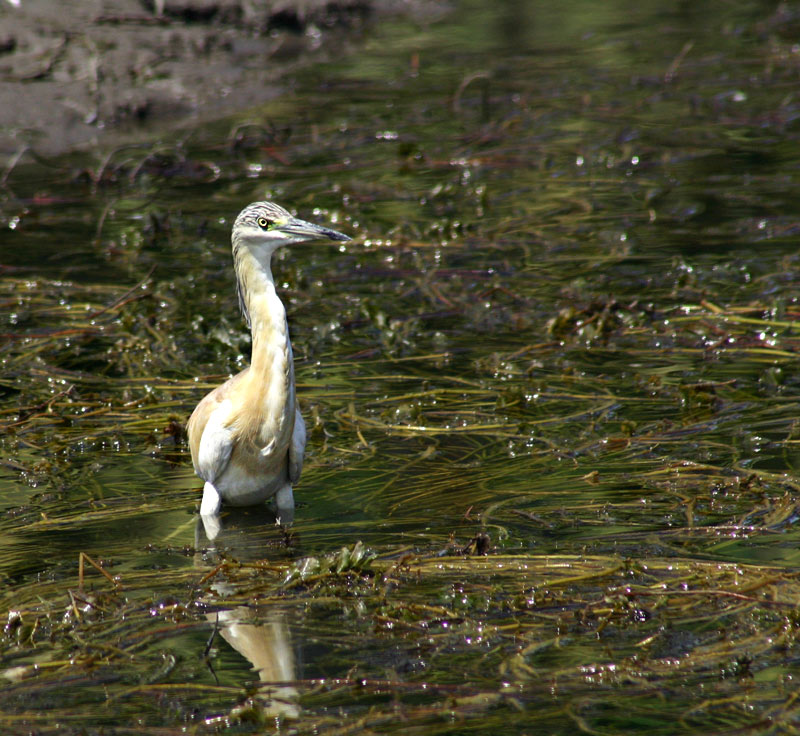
pixel 565 335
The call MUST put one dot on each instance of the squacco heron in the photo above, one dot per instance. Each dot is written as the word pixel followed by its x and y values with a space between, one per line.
pixel 247 436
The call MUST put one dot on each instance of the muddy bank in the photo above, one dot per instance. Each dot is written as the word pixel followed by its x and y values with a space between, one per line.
pixel 97 72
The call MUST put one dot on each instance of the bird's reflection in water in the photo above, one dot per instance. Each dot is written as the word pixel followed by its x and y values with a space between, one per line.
pixel 246 534
pixel 260 636
pixel 266 644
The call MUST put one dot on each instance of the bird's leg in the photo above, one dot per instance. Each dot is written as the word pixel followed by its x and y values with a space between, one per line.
pixel 209 511
pixel 211 502
pixel 284 506
pixel 212 526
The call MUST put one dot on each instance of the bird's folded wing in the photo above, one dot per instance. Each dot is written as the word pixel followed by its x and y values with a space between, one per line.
pixel 216 445
pixel 297 448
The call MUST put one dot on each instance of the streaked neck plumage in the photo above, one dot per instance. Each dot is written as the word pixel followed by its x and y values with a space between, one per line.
pixel 271 370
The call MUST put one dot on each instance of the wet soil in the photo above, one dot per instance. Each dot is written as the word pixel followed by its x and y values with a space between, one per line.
pixel 104 71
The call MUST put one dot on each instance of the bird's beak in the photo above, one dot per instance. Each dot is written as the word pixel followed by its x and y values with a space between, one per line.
pixel 309 231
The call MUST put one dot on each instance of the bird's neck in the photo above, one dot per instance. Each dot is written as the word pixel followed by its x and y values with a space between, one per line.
pixel 271 369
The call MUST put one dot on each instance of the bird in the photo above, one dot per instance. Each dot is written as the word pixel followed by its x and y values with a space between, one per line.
pixel 247 436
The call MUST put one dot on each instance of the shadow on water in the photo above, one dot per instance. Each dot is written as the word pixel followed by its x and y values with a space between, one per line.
pixel 551 393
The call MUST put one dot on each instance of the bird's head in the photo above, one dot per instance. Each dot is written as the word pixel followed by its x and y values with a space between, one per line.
pixel 259 230
pixel 262 227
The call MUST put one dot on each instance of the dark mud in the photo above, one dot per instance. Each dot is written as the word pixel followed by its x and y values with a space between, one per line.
pixel 108 71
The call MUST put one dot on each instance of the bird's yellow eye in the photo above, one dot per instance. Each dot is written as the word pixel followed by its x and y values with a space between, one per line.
pixel 264 223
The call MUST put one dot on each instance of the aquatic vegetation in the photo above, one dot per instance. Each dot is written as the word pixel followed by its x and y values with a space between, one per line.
pixel 550 391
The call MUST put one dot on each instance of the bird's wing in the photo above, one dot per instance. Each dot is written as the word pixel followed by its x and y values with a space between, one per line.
pixel 297 448
pixel 216 445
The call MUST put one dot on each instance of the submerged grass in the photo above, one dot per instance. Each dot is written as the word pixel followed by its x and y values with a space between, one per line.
pixel 450 639
pixel 550 392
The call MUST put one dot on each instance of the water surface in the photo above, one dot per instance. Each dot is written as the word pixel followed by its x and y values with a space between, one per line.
pixel 564 334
